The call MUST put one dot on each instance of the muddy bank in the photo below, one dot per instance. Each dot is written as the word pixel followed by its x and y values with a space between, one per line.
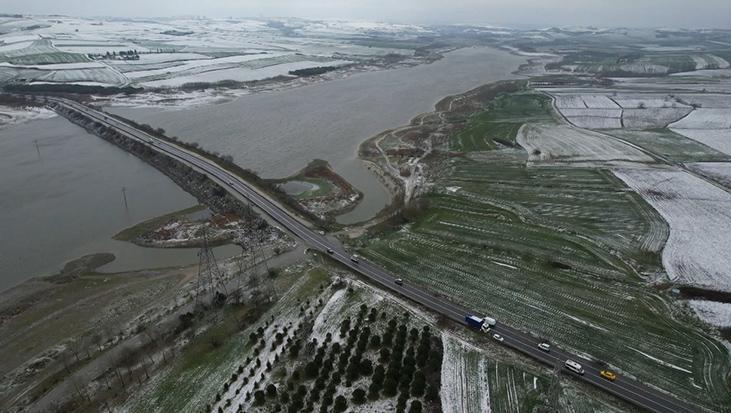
pixel 320 190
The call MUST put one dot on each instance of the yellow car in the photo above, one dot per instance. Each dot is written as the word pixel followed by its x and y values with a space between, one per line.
pixel 611 376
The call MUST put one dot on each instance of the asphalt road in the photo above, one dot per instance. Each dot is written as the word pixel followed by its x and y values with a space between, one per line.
pixel 625 388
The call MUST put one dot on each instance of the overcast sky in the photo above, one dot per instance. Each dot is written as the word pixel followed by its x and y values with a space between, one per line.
pixel 649 13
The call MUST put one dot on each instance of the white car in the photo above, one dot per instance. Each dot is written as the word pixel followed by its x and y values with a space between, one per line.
pixel 544 346
pixel 355 258
pixel 498 337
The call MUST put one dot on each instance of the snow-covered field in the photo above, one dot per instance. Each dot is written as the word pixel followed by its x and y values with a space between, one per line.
pixel 706 100
pixel 465 384
pixel 173 52
pixel 709 61
pixel 719 139
pixel 599 102
pixel 585 101
pixel 652 117
pixel 698 251
pixel 712 312
pixel 596 122
pixel 239 74
pixel 560 143
pixel 705 118
pixel 634 101
pixel 719 171
pixel 615 111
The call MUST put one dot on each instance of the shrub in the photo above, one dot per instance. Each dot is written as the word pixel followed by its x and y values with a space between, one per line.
pixel 259 397
pixel 340 404
pixel 376 341
pixel 271 390
pixel 359 396
pixel 366 367
pixel 390 386
pixel 415 407
pixel 418 384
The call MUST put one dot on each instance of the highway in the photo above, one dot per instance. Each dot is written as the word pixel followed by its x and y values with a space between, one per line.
pixel 624 388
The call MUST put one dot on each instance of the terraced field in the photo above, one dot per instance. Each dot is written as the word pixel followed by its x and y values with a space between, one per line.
pixel 564 253
pixel 499 124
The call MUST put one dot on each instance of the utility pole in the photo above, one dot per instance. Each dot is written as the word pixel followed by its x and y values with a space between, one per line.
pixel 38 148
pixel 124 196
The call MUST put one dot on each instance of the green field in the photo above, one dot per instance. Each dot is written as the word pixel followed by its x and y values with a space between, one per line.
pixel 499 123
pixel 324 188
pixel 556 251
pixel 39 53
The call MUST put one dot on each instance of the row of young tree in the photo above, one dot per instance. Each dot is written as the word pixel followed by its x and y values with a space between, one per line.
pixel 407 364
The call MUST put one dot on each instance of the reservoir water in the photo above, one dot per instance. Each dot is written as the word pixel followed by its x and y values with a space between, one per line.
pixel 277 133
pixel 63 199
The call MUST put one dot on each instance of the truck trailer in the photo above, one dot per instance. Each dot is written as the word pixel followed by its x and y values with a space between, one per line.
pixel 484 324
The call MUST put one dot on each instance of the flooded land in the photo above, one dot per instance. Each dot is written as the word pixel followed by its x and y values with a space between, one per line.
pixel 62 198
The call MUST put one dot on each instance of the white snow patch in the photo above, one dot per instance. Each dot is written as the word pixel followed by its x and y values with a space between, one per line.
pixel 718 314
pixel 505 265
pixel 662 362
pixel 331 311
pixel 13 116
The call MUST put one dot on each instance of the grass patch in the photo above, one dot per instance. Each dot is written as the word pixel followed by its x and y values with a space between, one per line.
pixel 152 224
pixel 498 125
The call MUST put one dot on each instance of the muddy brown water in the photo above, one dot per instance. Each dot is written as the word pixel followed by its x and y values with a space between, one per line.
pixel 64 200
pixel 277 133
pixel 67 201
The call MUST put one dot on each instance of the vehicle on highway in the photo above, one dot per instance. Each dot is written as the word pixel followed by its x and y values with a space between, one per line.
pixel 230 182
pixel 484 324
pixel 150 141
pixel 498 337
pixel 399 281
pixel 544 346
pixel 321 232
pixel 355 258
pixel 609 375
pixel 574 366
pixel 330 251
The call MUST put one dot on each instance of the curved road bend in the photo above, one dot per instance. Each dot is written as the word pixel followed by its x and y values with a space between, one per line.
pixel 625 388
